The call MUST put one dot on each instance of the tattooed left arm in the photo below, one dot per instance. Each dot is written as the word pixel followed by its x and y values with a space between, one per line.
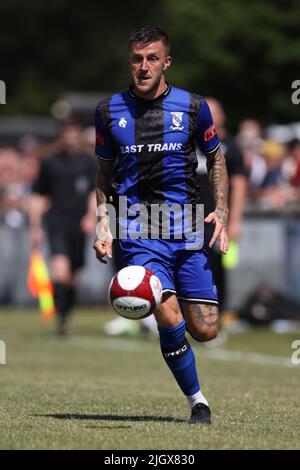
pixel 218 178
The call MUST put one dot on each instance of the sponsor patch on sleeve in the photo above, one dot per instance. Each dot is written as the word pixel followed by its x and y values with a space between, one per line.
pixel 210 132
pixel 99 138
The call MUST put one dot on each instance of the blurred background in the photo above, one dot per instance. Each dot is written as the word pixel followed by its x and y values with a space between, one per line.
pixel 59 58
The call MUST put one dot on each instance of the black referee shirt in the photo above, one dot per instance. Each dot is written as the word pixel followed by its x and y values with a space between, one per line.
pixel 67 180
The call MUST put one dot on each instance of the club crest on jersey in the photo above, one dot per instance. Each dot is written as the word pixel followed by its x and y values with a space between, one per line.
pixel 122 122
pixel 177 121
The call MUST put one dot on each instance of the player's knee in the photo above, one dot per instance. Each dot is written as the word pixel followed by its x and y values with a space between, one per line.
pixel 210 333
pixel 204 333
pixel 202 321
pixel 61 269
pixel 168 314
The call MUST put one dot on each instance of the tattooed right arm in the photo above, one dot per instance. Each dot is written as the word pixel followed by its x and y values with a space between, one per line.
pixel 218 178
pixel 103 242
pixel 103 182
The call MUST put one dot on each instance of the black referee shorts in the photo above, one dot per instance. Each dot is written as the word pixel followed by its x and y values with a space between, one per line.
pixel 71 243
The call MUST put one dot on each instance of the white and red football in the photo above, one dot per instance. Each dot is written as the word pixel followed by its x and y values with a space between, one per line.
pixel 135 292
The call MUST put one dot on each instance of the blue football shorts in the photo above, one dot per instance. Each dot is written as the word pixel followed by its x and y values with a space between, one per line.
pixel 186 273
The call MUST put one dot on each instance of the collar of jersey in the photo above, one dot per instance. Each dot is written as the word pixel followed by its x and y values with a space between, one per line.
pixel 155 100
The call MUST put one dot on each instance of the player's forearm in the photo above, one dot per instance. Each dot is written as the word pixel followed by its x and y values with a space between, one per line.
pixel 218 178
pixel 103 186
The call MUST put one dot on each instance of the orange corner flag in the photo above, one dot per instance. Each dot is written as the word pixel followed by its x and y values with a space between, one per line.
pixel 39 284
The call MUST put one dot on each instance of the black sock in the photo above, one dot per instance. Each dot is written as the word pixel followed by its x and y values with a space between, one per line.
pixel 64 300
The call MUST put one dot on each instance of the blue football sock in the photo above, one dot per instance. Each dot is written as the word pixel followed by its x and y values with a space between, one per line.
pixel 180 358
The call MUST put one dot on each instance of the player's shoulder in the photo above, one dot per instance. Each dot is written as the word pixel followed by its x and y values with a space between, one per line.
pixel 114 98
pixel 193 100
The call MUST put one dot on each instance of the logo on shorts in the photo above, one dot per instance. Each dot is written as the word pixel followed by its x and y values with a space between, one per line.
pixel 123 122
pixel 177 121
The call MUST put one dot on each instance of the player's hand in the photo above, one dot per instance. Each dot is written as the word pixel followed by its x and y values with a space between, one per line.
pixel 103 241
pixel 103 248
pixel 219 219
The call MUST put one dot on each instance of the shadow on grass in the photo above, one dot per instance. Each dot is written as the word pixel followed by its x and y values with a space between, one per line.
pixel 161 419
pixel 108 427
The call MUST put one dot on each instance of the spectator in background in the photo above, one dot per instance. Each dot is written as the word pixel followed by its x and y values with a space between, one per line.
pixel 294 153
pixel 65 191
pixel 249 133
pixel 11 186
pixel 12 224
pixel 272 190
pixel 237 193
pixel 274 154
pixel 249 140
pixel 29 148
pixel 88 137
pixel 29 168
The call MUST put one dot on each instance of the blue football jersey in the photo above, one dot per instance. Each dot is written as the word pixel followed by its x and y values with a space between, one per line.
pixel 154 144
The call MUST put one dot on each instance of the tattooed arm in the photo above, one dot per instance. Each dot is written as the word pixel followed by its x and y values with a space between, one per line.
pixel 103 241
pixel 218 178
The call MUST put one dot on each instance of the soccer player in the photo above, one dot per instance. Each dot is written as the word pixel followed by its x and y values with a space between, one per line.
pixel 145 144
pixel 65 192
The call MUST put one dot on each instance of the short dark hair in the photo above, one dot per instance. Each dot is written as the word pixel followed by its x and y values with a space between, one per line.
pixel 148 34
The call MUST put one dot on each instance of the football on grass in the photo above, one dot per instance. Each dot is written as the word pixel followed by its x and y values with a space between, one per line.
pixel 135 292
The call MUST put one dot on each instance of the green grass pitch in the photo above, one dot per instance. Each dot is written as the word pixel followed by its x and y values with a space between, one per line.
pixel 89 391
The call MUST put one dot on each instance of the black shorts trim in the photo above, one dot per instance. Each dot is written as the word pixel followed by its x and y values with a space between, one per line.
pixel 194 300
pixel 169 291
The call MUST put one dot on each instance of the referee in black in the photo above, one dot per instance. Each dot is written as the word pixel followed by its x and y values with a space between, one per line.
pixel 63 202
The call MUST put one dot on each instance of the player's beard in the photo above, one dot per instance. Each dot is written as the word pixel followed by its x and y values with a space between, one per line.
pixel 149 88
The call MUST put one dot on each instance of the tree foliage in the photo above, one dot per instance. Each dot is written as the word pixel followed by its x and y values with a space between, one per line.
pixel 246 54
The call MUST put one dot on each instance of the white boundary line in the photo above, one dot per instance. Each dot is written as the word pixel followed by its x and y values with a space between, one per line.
pixel 132 345
pixel 250 357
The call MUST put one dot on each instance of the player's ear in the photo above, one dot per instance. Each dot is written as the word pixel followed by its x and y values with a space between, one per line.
pixel 167 63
